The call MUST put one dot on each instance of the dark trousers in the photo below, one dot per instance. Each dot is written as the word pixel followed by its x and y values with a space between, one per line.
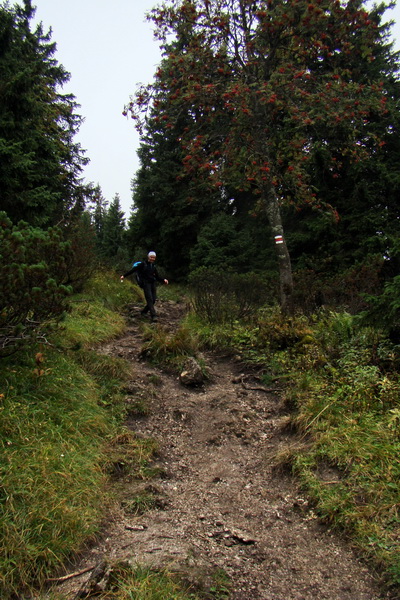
pixel 150 294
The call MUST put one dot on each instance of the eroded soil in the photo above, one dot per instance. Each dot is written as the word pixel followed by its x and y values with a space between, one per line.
pixel 219 502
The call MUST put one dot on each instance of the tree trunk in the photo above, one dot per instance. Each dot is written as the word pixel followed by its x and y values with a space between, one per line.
pixel 285 267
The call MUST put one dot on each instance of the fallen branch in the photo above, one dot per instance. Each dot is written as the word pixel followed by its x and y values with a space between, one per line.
pixel 91 586
pixel 261 389
pixel 70 575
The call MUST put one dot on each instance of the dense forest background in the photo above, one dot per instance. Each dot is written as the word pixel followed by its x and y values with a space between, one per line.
pixel 269 144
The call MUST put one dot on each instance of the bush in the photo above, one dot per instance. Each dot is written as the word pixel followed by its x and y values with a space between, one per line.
pixel 223 297
pixel 384 310
pixel 345 290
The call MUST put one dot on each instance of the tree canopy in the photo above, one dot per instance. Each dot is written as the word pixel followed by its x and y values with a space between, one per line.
pixel 263 88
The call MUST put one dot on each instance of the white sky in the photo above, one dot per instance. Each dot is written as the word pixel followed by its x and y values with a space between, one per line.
pixel 108 47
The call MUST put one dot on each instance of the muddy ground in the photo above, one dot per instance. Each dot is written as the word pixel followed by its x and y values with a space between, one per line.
pixel 220 504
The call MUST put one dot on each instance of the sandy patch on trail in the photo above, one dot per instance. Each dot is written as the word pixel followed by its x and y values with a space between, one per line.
pixel 219 503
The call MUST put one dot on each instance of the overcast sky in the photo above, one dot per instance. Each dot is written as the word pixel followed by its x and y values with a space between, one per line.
pixel 108 47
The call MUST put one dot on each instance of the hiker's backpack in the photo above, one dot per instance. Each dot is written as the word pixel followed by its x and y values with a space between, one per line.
pixel 138 272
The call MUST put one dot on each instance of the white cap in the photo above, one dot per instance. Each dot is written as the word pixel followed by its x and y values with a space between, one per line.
pixel 151 254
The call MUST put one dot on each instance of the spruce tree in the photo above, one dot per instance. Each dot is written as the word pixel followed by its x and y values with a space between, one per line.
pixel 113 239
pixel 98 210
pixel 168 211
pixel 40 164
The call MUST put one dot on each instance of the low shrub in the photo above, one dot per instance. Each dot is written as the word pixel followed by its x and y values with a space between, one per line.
pixel 223 297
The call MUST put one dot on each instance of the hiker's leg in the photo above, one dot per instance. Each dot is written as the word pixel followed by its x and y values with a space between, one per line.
pixel 154 292
pixel 149 295
pixel 153 300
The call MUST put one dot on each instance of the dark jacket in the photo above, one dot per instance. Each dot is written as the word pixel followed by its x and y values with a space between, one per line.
pixel 148 272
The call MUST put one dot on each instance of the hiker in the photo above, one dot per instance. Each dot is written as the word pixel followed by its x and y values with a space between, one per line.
pixel 147 275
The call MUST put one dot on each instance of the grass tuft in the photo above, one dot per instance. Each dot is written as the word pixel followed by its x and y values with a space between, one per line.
pixel 170 349
pixel 129 455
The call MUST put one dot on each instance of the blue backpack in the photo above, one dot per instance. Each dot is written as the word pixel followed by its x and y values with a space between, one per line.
pixel 138 272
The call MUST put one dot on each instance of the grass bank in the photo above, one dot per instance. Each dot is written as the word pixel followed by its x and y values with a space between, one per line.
pixel 60 406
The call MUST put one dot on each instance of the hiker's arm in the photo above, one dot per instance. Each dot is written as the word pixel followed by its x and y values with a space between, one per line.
pixel 162 280
pixel 159 278
pixel 128 273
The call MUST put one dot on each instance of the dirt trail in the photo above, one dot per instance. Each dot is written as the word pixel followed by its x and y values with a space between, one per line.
pixel 219 502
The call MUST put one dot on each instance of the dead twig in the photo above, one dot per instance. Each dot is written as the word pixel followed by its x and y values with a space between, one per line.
pixel 261 389
pixel 70 575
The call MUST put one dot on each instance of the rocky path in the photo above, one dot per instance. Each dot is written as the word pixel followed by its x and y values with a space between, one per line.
pixel 219 503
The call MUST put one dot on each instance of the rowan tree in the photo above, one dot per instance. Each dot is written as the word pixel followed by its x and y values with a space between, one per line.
pixel 264 85
pixel 181 216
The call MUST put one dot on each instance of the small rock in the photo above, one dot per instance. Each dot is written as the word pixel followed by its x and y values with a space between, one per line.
pixel 192 373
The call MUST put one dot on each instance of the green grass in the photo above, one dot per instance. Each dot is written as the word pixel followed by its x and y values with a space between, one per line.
pixel 128 455
pixel 52 436
pixel 139 503
pixel 172 292
pixel 143 583
pixel 61 411
pixel 170 348
pixel 107 288
pixel 350 419
pixel 95 317
pixel 90 322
